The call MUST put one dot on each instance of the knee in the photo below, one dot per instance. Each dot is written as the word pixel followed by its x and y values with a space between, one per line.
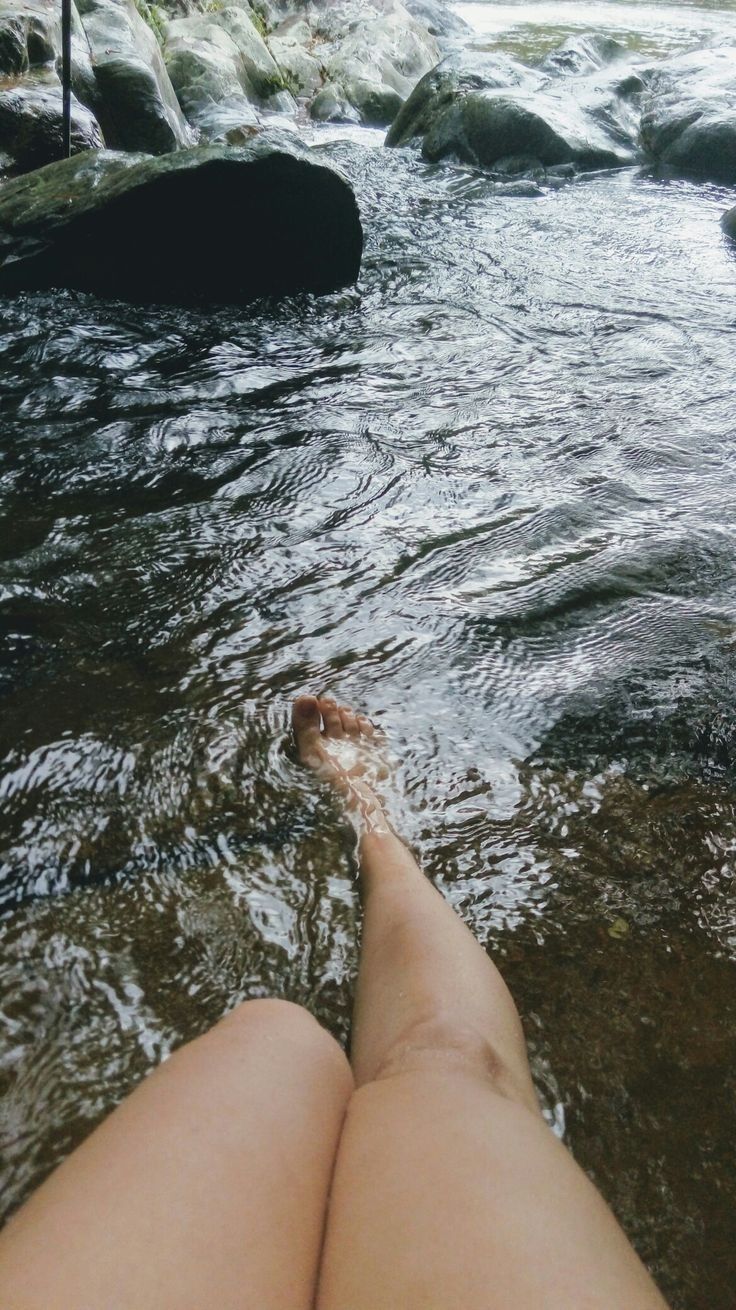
pixel 442 1046
pixel 293 1028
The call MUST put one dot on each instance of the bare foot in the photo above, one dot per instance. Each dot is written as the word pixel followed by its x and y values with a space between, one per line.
pixel 344 750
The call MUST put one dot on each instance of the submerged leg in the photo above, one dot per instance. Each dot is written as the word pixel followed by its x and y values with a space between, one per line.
pixel 206 1187
pixel 450 1190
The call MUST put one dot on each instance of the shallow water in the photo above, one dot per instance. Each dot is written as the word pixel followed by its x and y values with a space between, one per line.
pixel 487 494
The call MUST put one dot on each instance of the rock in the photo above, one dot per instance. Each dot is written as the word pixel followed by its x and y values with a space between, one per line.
pixel 728 223
pixel 216 223
pixel 449 82
pixel 221 69
pixel 355 60
pixel 331 106
pixel 31 123
pixel 231 28
pixel 483 109
pixel 138 109
pixel 291 46
pixel 29 36
pixel 583 54
pixel 688 123
pixel 30 40
pixel 440 22
pixel 379 60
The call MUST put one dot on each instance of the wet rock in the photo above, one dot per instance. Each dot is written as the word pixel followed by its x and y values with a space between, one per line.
pixel 216 223
pixel 237 47
pixel 449 82
pixel 291 45
pixel 583 54
pixel 330 105
pixel 222 71
pixel 354 61
pixel 377 58
pixel 29 36
pixel 688 122
pixel 728 223
pixel 440 21
pixel 137 107
pixel 31 124
pixel 30 91
pixel 484 109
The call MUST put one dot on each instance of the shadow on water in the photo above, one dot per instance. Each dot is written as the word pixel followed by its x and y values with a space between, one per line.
pixel 488 494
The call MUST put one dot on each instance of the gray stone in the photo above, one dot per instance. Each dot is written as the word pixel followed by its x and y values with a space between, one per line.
pixel 291 44
pixel 450 81
pixel 729 223
pixel 688 123
pixel 378 58
pixel 439 21
pixel 583 54
pixel 221 224
pixel 259 66
pixel 31 123
pixel 330 105
pixel 483 109
pixel 138 108
pixel 220 60
pixel 30 40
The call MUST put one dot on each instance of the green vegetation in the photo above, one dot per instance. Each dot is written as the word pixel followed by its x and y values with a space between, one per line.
pixel 154 17
pixel 281 81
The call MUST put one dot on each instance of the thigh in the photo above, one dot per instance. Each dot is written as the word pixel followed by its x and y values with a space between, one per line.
pixel 207 1187
pixel 450 1196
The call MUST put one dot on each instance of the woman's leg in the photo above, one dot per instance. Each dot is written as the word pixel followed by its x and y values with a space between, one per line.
pixel 207 1187
pixel 450 1191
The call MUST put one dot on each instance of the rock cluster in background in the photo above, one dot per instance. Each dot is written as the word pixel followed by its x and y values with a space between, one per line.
pixel 217 72
pixel 589 104
pixel 159 80
pixel 154 80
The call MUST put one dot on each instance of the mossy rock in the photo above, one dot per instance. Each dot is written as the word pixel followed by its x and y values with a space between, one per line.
pixel 219 224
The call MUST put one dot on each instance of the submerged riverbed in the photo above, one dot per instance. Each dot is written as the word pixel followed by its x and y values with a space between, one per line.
pixel 488 495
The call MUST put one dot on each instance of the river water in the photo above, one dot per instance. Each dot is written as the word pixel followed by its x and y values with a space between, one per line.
pixel 488 495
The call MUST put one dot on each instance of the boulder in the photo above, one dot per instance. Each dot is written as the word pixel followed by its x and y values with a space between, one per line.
pixel 291 45
pixel 236 41
pixel 30 49
pixel 223 73
pixel 376 59
pixel 31 123
pixel 137 106
pixel 440 21
pixel 483 109
pixel 330 105
pixel 688 122
pixel 449 82
pixel 354 62
pixel 212 223
pixel 579 55
pixel 728 223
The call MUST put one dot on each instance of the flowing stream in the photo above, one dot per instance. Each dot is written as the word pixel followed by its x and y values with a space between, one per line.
pixel 487 494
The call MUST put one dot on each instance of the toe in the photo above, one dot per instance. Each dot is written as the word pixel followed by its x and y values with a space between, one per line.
pixel 349 721
pixel 305 721
pixel 365 726
pixel 331 718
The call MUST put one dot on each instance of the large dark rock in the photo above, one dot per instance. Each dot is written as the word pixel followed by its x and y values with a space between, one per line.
pixel 729 223
pixel 483 109
pixel 214 223
pixel 688 123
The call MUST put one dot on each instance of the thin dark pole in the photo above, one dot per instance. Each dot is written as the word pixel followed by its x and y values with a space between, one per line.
pixel 66 76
